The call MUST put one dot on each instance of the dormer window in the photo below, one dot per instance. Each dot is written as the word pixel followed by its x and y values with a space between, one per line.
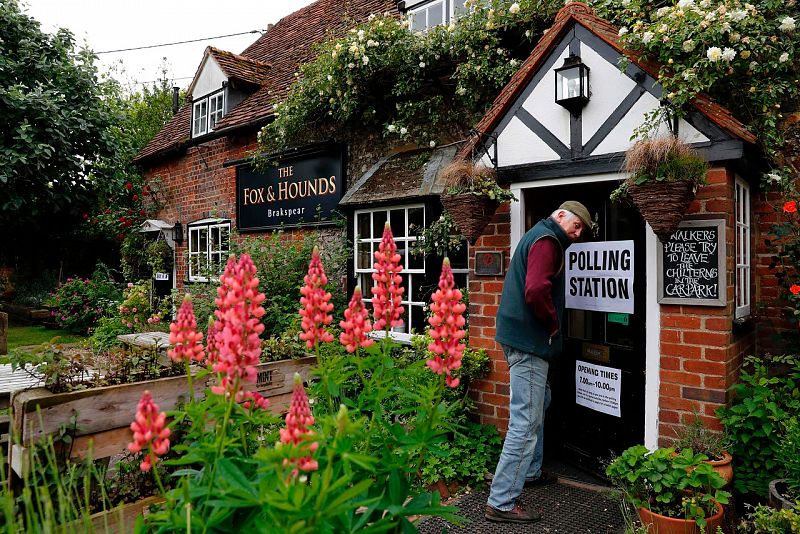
pixel 426 15
pixel 206 112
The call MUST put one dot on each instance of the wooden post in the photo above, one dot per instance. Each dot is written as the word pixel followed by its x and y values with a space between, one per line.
pixel 3 333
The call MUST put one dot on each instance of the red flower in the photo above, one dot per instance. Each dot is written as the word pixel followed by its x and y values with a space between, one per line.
pixel 296 432
pixel 356 324
pixel 387 293
pixel 447 326
pixel 128 186
pixel 135 197
pixel 184 336
pixel 316 304
pixel 790 207
pixel 85 216
pixel 795 289
pixel 238 326
pixel 141 213
pixel 149 432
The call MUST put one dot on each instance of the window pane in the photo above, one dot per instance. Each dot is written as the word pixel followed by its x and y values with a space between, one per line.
pixel 458 258
pixel 365 260
pixel 418 21
pixel 435 14
pixel 225 240
pixel 202 240
pixel 365 281
pixel 363 226
pixel 461 281
pixel 417 321
pixel 405 286
pixel 401 249
pixel 416 261
pixel 194 236
pixel 398 222
pixel 378 222
pixel 416 217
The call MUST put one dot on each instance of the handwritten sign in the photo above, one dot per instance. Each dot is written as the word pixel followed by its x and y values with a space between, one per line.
pixel 692 265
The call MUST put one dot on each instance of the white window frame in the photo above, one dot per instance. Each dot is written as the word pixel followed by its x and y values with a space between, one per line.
pixel 203 123
pixel 215 114
pixel 411 307
pixel 742 289
pixel 199 119
pixel 446 16
pixel 194 229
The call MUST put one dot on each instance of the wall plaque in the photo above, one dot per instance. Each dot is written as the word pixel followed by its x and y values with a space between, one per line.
pixel 296 191
pixel 488 263
pixel 691 264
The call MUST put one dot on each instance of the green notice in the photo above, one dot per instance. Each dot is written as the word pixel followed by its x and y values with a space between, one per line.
pixel 621 318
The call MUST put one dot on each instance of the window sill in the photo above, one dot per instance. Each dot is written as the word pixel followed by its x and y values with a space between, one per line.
pixel 399 337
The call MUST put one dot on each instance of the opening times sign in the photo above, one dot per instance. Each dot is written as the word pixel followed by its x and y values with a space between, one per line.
pixel 599 276
pixel 598 387
pixel 294 192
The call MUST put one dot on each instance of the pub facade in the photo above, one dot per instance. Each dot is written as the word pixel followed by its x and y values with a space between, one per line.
pixel 654 333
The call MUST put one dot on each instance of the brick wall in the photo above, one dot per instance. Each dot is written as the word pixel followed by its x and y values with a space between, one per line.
pixel 700 351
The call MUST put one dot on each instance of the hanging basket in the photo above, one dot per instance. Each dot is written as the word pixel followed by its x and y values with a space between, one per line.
pixel 663 204
pixel 471 213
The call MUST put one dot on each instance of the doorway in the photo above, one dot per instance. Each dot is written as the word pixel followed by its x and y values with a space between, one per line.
pixel 577 434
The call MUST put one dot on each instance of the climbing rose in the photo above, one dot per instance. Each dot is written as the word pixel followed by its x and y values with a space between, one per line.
pixel 356 324
pixel 790 207
pixel 238 326
pixel 298 420
pixel 149 432
pixel 184 336
pixel 387 292
pixel 795 289
pixel 316 304
pixel 447 326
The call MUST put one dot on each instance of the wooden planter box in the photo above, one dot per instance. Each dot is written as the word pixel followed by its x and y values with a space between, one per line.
pixel 103 415
pixel 119 520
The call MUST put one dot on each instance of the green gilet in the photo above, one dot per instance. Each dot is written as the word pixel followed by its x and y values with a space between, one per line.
pixel 517 326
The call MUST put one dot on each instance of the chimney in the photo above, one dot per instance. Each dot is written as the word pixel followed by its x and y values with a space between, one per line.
pixel 269 26
pixel 176 91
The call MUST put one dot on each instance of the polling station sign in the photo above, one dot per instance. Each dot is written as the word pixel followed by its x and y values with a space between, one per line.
pixel 599 276
pixel 598 387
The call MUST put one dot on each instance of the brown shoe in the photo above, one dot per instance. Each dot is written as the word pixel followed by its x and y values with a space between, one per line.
pixel 545 479
pixel 516 515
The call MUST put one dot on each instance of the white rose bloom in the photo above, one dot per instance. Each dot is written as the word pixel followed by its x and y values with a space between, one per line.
pixel 726 27
pixel 787 24
pixel 403 130
pixel 784 57
pixel 338 46
pixel 625 3
pixel 333 54
pixel 735 37
pixel 729 54
pixel 461 91
pixel 662 11
pixel 685 4
pixel 688 45
pixel 737 15
pixel 513 62
pixel 711 15
pixel 514 9
pixel 664 28
pixel 722 9
pixel 422 64
pixel 705 3
pixel 432 144
pixel 365 60
pixel 391 128
pixel 714 54
pixel 647 37
pixel 330 78
pixel 351 65
pixel 528 34
pixel 622 31
pixel 360 35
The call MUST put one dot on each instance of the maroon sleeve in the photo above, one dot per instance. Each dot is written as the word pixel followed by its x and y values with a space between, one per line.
pixel 544 263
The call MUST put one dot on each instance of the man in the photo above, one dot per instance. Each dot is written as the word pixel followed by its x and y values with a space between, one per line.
pixel 529 330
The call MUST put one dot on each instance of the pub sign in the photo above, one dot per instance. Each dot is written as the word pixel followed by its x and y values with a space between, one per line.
pixel 295 191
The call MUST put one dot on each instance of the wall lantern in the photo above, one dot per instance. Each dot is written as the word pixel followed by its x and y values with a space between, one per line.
pixel 572 84
pixel 177 232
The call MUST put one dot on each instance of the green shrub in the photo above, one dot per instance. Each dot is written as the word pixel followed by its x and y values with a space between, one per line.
pixel 35 291
pixel 789 456
pixel 765 520
pixel 104 336
pixel 80 302
pixel 768 393
pixel 466 457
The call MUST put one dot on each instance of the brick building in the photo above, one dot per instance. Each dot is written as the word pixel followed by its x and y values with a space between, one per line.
pixel 666 357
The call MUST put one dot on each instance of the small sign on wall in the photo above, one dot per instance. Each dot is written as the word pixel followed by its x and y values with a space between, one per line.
pixel 488 263
pixel 598 387
pixel 599 276
pixel 691 265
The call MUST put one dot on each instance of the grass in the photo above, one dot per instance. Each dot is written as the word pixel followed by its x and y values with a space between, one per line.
pixel 20 336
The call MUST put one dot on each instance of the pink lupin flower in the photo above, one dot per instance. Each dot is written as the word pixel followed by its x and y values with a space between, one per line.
pixel 297 430
pixel 254 399
pixel 316 304
pixel 356 324
pixel 388 291
pixel 447 326
pixel 184 336
pixel 212 350
pixel 149 432
pixel 238 326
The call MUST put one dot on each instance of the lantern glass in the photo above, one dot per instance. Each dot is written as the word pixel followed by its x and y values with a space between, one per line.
pixel 572 84
pixel 569 83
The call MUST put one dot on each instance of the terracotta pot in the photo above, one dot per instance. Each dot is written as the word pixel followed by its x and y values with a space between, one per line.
pixel 724 467
pixel 777 489
pixel 661 524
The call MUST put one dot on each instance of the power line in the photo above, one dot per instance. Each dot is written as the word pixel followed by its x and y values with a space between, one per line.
pixel 180 42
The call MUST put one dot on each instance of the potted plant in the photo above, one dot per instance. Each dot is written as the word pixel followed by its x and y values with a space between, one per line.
pixel 784 493
pixel 663 181
pixel 673 493
pixel 698 438
pixel 471 196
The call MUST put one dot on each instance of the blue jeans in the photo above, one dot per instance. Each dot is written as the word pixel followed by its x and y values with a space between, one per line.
pixel 535 470
pixel 528 382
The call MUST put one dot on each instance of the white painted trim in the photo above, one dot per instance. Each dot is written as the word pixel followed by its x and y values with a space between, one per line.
pixel 652 309
pixel 652 366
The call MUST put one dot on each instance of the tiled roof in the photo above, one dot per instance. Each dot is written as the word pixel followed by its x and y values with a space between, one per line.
pixel 290 42
pixel 583 14
pixel 240 67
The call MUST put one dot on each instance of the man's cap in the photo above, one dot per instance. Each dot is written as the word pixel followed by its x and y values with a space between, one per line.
pixel 580 210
